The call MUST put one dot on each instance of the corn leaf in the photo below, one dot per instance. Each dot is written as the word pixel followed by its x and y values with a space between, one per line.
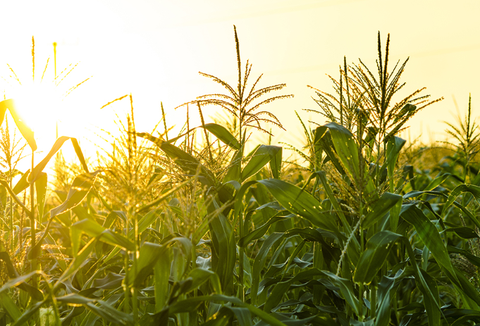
pixel 375 255
pixel 300 202
pixel 184 160
pixel 94 229
pixel 260 157
pixel 381 207
pixel 223 134
pixel 148 256
pixel 25 130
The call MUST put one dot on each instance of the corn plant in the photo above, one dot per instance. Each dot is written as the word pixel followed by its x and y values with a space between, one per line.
pixel 376 251
pixel 175 231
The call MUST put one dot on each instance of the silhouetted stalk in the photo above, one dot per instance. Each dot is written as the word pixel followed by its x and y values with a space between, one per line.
pixel 241 254
pixel 361 187
pixel 33 261
pixel 207 140
pixel 10 210
pixel 133 160
pixel 164 118
pixel 373 299
pixel 126 263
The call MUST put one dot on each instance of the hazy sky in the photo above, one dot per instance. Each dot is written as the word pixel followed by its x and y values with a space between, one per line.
pixel 154 49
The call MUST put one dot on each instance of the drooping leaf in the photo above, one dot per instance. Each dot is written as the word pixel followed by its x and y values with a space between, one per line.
pixel 259 263
pixel 78 191
pixel 375 255
pixel 430 236
pixel 300 202
pixel 189 304
pixel 384 304
pixel 94 229
pixel 262 155
pixel 394 146
pixel 24 182
pixel 9 305
pixel 110 281
pixel 472 189
pixel 260 231
pixel 381 207
pixel 347 150
pixel 184 160
pixel 148 256
pixel 463 232
pixel 25 130
pixel 223 134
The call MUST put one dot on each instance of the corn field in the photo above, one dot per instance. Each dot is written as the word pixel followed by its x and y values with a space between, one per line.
pixel 360 228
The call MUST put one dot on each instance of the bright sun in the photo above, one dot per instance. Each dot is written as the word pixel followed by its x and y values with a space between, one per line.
pixel 38 104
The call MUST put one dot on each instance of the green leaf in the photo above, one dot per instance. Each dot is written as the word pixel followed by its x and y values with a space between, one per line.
pixel 276 164
pixel 375 255
pixel 300 202
pixel 381 207
pixel 281 288
pixel 20 282
pixel 41 190
pixel 188 304
pixel 78 260
pixel 74 298
pixel 22 184
pixel 259 263
pixel 28 314
pixel 333 199
pixel 224 251
pixel 200 276
pixel 323 142
pixel 109 313
pixel 78 191
pixel 346 289
pixel 463 232
pixel 184 160
pixel 429 235
pixel 242 314
pixel 148 256
pixel 434 314
pixel 432 239
pixel 94 229
pixel 10 307
pixel 110 281
pixel 384 303
pixel 14 197
pixel 262 155
pixel 223 134
pixel 347 150
pixel 260 231
pixel 474 190
pixel 394 145
pixel 161 275
pixel 437 181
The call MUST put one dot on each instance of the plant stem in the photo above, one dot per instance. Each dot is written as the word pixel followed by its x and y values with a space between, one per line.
pixel 127 287
pixel 32 220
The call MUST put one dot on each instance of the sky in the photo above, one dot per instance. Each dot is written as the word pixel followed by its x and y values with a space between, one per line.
pixel 154 50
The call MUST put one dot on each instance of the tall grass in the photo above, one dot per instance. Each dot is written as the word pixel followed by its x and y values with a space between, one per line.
pixel 166 229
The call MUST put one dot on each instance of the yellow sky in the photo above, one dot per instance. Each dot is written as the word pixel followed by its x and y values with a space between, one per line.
pixel 154 49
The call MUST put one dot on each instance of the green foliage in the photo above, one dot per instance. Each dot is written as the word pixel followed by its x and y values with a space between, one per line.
pixel 171 231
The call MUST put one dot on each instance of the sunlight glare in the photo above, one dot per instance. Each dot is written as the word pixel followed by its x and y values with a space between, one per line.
pixel 38 104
